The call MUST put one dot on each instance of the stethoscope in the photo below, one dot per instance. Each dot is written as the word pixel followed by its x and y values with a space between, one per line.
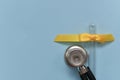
pixel 76 56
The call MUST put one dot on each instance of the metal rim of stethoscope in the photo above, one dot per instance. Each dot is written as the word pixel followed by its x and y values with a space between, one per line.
pixel 75 56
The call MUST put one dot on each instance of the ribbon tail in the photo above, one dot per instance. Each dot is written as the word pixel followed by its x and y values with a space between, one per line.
pixel 67 38
pixel 106 38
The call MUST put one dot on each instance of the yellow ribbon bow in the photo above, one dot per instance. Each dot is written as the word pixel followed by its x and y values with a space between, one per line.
pixel 85 37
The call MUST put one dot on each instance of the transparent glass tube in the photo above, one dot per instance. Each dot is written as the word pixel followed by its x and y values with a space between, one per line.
pixel 92 50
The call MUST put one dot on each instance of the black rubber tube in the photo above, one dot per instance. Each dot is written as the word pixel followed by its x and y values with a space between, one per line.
pixel 83 76
pixel 90 74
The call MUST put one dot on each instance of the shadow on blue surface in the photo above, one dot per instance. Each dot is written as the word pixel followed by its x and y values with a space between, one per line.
pixel 86 44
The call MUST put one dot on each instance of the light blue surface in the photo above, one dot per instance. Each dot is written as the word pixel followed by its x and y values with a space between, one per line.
pixel 28 27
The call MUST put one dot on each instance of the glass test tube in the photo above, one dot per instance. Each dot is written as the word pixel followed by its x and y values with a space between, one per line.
pixel 92 51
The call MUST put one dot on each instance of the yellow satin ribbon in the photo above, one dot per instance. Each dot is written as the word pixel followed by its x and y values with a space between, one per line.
pixel 85 37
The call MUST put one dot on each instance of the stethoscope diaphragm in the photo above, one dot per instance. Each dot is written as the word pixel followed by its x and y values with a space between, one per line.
pixel 76 56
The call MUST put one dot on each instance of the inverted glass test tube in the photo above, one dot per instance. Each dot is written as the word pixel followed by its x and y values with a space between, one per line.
pixel 92 50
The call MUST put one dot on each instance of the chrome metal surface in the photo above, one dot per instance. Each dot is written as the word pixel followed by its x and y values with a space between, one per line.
pixel 76 56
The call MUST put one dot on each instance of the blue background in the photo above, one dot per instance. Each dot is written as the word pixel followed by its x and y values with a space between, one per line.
pixel 28 28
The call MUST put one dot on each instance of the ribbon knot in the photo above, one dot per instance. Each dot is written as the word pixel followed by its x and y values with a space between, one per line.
pixel 91 37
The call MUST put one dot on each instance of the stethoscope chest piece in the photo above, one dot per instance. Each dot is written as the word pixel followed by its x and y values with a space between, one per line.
pixel 76 56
